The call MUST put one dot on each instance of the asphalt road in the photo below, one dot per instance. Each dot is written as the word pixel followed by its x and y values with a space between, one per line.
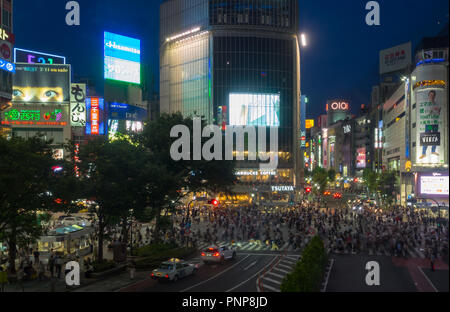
pixel 348 274
pixel 237 275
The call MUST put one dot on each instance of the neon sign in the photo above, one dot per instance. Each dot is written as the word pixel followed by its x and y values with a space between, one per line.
pixel 33 115
pixel 338 106
pixel 95 125
pixel 34 57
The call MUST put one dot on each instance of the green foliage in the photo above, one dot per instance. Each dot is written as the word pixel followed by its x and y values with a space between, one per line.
pixel 320 177
pixel 152 249
pixel 331 175
pixel 154 259
pixel 103 266
pixel 25 181
pixel 388 186
pixel 308 272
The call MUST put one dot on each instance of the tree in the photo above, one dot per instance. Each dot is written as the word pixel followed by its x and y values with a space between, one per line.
pixel 387 186
pixel 176 179
pixel 331 175
pixel 320 177
pixel 371 179
pixel 25 180
pixel 111 175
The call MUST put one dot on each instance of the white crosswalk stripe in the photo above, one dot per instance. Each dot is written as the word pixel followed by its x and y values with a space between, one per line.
pixel 271 288
pixel 272 280
pixel 281 270
pixel 276 274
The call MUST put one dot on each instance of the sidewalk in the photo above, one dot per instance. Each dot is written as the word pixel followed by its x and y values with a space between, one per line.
pixel 105 284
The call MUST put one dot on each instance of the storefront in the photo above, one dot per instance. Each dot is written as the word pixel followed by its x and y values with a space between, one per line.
pixel 66 241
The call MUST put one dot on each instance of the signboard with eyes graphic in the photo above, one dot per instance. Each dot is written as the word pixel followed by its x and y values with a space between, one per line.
pixel 41 83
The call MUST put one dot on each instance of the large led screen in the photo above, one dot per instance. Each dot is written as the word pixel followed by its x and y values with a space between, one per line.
pixel 254 109
pixel 41 83
pixel 122 58
pixel 433 185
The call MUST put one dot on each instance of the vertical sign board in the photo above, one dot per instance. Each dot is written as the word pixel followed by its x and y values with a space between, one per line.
pixel 78 105
pixel 122 59
pixel 431 108
pixel 95 108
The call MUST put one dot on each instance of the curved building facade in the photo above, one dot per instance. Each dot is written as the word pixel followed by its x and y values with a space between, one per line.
pixel 236 62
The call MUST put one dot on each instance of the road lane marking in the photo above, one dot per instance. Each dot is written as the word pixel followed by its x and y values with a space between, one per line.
pixel 420 269
pixel 212 277
pixel 271 280
pixel 285 266
pixel 272 288
pixel 275 274
pixel 328 276
pixel 256 274
pixel 281 270
pixel 251 264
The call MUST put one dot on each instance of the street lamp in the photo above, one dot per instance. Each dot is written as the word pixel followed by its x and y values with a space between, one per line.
pixel 303 40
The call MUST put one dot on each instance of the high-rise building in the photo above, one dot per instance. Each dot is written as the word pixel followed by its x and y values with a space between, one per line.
pixel 237 63
pixel 6 58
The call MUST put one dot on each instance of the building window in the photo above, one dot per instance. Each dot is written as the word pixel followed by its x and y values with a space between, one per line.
pixel 414 125
pixel 414 106
pixel 414 144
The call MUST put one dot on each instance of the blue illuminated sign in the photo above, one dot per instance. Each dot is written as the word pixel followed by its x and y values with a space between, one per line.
pixel 430 61
pixel 9 67
pixel 122 58
pixel 121 111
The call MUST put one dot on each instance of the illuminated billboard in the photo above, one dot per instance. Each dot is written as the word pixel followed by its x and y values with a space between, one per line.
pixel 35 115
pixel 254 109
pixel 433 185
pixel 431 140
pixel 361 158
pixel 122 58
pixel 34 57
pixel 95 107
pixel 41 83
pixel 309 123
pixel 78 105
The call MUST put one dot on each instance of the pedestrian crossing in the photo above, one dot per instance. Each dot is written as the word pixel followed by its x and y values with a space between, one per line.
pixel 271 280
pixel 249 246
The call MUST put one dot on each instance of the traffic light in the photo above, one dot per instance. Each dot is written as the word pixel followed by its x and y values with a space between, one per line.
pixel 214 202
pixel 308 190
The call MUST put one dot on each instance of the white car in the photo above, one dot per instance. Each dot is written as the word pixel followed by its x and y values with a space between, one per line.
pixel 173 269
pixel 218 254
pixel 72 220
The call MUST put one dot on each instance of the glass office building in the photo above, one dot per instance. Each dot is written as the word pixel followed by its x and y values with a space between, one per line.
pixel 235 62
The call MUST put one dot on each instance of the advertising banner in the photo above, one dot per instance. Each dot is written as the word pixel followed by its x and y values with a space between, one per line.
pixel 95 122
pixel 395 58
pixel 6 50
pixel 41 83
pixel 361 158
pixel 35 115
pixel 122 58
pixel 433 185
pixel 431 144
pixel 254 109
pixel 121 111
pixel 78 105
pixel 34 57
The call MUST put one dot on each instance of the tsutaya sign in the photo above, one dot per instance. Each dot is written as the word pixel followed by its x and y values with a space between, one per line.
pixel 282 188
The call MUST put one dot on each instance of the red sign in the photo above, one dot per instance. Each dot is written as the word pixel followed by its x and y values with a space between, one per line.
pixel 95 116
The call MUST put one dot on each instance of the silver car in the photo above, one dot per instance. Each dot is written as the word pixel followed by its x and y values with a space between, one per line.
pixel 218 254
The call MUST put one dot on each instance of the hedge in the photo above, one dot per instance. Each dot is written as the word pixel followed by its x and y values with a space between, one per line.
pixel 103 266
pixel 153 259
pixel 149 250
pixel 309 270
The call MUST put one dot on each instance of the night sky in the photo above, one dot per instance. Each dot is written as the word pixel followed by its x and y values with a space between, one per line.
pixel 341 59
